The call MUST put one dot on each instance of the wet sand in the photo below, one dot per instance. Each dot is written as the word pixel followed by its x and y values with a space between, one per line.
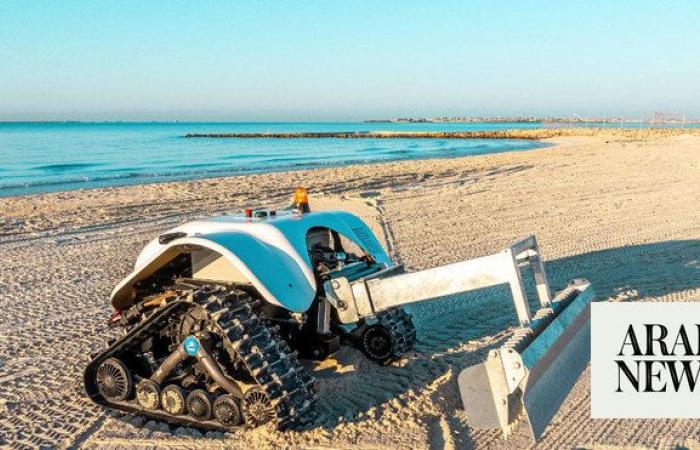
pixel 621 209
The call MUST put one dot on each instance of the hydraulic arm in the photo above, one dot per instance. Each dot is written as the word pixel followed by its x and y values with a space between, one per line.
pixel 389 288
pixel 535 369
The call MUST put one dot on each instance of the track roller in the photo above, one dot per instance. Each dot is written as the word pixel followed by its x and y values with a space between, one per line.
pixel 392 335
pixel 199 404
pixel 113 380
pixel 257 407
pixel 376 343
pixel 148 394
pixel 227 410
pixel 172 400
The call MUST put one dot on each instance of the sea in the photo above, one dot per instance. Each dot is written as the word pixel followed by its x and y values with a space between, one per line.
pixel 39 157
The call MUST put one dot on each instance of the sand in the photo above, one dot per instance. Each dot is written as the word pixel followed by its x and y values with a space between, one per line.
pixel 621 210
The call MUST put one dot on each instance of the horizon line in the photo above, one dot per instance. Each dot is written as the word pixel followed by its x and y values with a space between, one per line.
pixel 417 120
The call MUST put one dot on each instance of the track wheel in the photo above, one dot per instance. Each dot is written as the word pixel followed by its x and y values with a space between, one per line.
pixel 376 343
pixel 172 400
pixel 257 408
pixel 148 394
pixel 227 411
pixel 113 380
pixel 199 404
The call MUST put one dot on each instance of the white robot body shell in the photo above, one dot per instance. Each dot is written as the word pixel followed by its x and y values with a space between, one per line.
pixel 270 252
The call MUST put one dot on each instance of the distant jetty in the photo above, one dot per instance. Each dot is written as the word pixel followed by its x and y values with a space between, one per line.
pixel 518 134
pixel 531 134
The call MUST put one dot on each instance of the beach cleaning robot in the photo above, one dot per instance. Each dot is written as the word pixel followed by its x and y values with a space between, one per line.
pixel 217 314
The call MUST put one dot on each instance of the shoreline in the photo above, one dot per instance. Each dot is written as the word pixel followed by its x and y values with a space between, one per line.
pixel 538 137
pixel 148 179
pixel 219 177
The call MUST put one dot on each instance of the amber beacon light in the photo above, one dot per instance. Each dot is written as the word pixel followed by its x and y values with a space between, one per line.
pixel 300 201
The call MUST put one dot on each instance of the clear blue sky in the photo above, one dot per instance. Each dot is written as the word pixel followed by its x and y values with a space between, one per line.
pixel 344 60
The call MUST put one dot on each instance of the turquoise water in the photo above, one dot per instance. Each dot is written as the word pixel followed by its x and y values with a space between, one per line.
pixel 48 157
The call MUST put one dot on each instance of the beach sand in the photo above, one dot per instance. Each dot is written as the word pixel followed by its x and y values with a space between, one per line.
pixel 620 209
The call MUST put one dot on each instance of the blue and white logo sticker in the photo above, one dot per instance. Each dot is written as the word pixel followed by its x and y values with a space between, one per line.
pixel 191 345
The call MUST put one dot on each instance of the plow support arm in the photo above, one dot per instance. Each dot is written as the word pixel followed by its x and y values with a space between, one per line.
pixel 536 368
pixel 385 290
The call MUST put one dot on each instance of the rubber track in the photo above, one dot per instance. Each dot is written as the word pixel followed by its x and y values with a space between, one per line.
pixel 403 332
pixel 266 355
pixel 246 337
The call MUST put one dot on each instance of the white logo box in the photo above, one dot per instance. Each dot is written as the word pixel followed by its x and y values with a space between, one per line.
pixel 610 324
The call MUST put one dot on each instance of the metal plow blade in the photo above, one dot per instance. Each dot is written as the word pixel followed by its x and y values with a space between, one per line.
pixel 535 370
